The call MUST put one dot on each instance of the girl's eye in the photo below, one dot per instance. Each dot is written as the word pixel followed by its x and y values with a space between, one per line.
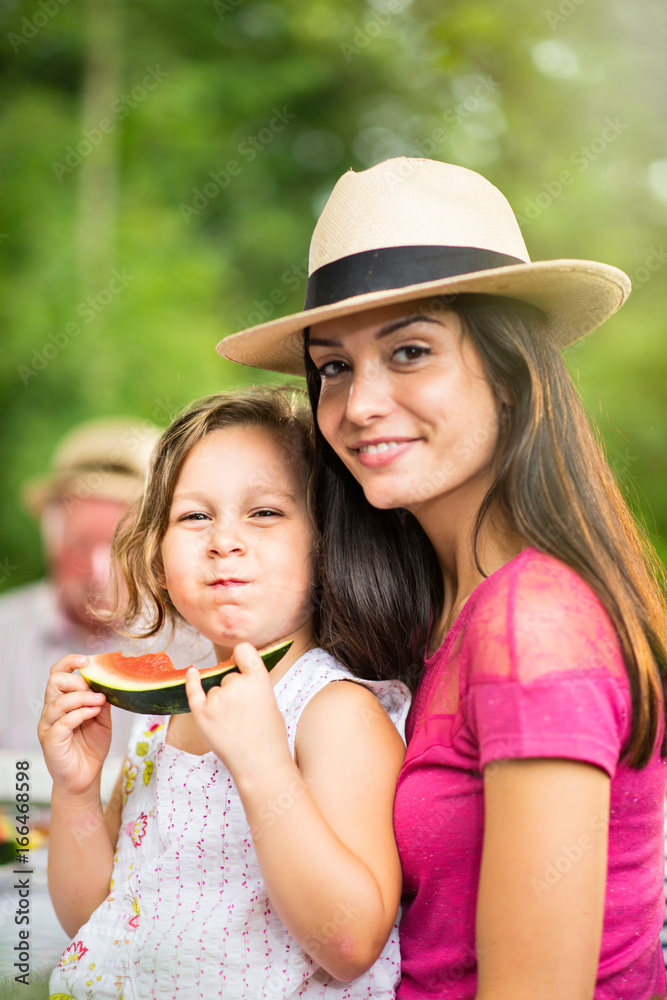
pixel 333 368
pixel 266 512
pixel 410 352
pixel 196 515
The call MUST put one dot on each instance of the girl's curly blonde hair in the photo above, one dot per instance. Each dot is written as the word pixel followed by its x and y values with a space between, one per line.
pixel 142 602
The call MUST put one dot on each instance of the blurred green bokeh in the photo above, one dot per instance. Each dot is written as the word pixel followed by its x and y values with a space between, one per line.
pixel 189 147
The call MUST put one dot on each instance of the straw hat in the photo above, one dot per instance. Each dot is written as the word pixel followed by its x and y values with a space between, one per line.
pixel 101 459
pixel 412 228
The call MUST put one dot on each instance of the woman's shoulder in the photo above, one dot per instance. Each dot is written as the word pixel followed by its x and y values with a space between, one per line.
pixel 542 615
pixel 533 581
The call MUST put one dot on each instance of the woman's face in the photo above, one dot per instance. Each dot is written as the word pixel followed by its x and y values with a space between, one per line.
pixel 406 405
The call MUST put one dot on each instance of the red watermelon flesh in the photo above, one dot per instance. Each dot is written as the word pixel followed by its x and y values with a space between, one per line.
pixel 151 668
pixel 151 685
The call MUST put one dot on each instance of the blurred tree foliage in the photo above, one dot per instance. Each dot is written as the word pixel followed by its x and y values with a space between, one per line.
pixel 163 164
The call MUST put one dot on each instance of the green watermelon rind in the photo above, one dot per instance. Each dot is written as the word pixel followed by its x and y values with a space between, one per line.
pixel 171 699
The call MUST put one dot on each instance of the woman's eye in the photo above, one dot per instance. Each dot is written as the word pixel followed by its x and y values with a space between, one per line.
pixel 410 352
pixel 332 368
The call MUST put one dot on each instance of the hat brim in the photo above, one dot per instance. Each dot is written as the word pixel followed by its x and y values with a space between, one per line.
pixel 576 296
pixel 37 493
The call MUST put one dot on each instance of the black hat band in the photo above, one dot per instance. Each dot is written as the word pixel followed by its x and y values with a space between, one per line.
pixel 396 267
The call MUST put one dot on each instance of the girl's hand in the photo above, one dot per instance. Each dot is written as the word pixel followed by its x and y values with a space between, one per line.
pixel 74 728
pixel 240 719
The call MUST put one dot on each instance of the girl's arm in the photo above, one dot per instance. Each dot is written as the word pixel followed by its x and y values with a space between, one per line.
pixel 542 883
pixel 323 829
pixel 75 733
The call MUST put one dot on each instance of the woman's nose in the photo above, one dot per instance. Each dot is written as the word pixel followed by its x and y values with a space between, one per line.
pixel 369 395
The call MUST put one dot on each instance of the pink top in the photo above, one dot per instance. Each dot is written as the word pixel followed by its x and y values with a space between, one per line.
pixel 531 668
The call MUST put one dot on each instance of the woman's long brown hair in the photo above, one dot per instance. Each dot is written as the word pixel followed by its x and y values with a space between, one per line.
pixel 553 487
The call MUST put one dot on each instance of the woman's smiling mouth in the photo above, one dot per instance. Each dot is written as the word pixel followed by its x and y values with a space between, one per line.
pixel 374 454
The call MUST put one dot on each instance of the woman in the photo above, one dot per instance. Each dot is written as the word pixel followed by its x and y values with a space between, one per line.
pixel 469 514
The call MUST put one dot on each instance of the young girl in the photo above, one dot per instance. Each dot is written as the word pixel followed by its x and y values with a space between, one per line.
pixel 253 855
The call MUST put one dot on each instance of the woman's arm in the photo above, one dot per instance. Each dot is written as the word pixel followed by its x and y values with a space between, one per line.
pixel 323 829
pixel 542 883
pixel 75 733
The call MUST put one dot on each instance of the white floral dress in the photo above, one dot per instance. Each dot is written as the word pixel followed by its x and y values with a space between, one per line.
pixel 188 913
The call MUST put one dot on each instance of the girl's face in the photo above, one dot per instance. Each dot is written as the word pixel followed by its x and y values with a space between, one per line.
pixel 406 405
pixel 238 551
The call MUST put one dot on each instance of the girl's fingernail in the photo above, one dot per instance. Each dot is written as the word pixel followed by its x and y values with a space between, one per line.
pixel 81 660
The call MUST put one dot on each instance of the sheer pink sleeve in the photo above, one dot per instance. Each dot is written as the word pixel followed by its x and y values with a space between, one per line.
pixel 545 673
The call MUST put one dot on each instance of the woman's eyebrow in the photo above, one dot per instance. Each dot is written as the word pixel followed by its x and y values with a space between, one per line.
pixel 382 332
pixel 322 342
pixel 406 321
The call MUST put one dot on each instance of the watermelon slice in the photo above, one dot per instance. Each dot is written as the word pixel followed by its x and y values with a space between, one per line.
pixel 151 684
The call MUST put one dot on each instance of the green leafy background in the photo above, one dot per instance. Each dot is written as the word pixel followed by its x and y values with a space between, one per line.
pixel 520 91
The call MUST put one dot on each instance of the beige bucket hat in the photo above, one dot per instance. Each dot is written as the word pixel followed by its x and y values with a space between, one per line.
pixel 411 228
pixel 99 459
